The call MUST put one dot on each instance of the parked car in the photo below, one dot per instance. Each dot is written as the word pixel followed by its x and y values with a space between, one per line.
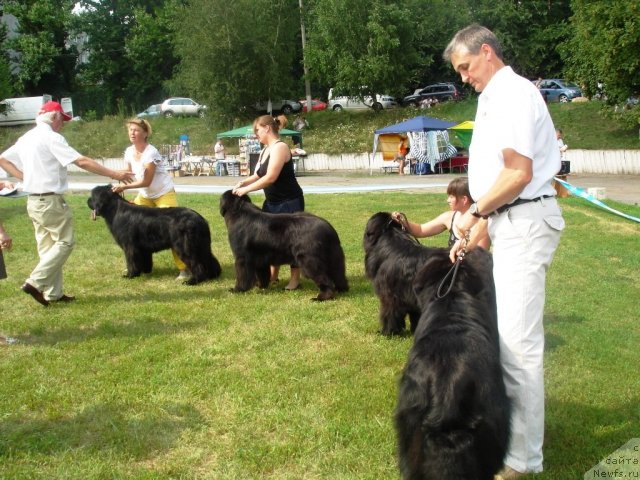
pixel 315 104
pixel 284 106
pixel 182 106
pixel 438 92
pixel 151 111
pixel 339 102
pixel 556 90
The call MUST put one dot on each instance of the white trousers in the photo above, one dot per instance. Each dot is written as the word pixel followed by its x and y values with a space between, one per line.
pixel 524 240
pixel 53 224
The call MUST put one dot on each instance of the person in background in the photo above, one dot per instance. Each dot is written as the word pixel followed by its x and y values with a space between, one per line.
pixel 563 147
pixel 219 155
pixel 5 244
pixel 275 175
pixel 300 123
pixel 401 154
pixel 5 239
pixel 151 176
pixel 43 156
pixel 513 158
pixel 459 200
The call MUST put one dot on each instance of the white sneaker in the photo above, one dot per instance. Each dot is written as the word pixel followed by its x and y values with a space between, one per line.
pixel 183 275
pixel 508 473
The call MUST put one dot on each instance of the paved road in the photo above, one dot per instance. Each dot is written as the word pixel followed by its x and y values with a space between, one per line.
pixel 622 188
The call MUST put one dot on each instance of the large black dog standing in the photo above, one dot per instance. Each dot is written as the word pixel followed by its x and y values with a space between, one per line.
pixel 260 239
pixel 452 416
pixel 392 259
pixel 142 231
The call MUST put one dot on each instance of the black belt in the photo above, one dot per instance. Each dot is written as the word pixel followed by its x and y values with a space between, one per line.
pixel 46 194
pixel 520 201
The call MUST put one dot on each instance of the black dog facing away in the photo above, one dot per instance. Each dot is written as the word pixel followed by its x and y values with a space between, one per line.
pixel 259 239
pixel 453 414
pixel 392 259
pixel 141 231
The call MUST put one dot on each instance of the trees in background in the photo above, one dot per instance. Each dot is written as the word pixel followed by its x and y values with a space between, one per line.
pixel 603 51
pixel 130 52
pixel 231 54
pixel 46 61
pixel 361 47
pixel 5 74
pixel 234 54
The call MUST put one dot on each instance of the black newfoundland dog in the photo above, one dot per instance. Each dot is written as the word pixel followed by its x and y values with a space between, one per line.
pixel 259 239
pixel 453 413
pixel 141 231
pixel 392 259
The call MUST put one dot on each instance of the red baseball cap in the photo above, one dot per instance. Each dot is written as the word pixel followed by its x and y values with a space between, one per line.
pixel 51 106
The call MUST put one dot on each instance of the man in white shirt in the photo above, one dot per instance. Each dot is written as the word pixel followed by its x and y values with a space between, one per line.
pixel 513 158
pixel 40 158
pixel 219 155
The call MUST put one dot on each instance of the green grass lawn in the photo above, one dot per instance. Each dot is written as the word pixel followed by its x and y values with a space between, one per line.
pixel 150 379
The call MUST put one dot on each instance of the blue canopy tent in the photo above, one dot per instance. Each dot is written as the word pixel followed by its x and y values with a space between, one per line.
pixel 413 125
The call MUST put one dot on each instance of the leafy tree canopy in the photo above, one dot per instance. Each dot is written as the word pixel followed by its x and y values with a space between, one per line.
pixel 362 47
pixel 234 54
pixel 44 60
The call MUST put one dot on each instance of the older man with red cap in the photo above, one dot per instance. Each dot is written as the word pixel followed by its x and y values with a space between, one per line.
pixel 40 159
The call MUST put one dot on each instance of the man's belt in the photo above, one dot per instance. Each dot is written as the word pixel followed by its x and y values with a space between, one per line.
pixel 46 194
pixel 519 201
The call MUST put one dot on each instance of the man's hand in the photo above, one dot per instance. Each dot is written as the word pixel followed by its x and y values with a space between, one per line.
pixel 466 222
pixel 5 240
pixel 124 176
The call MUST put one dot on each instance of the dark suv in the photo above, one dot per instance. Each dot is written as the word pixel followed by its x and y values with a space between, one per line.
pixel 438 92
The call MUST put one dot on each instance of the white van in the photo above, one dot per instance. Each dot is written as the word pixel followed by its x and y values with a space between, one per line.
pixel 339 102
pixel 22 111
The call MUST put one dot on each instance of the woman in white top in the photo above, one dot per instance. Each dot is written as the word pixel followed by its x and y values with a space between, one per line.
pixel 152 176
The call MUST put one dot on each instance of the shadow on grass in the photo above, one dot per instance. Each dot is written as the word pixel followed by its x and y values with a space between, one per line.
pixel 125 429
pixel 118 328
pixel 551 340
pixel 578 436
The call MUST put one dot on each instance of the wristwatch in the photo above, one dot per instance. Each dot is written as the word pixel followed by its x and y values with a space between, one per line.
pixel 473 209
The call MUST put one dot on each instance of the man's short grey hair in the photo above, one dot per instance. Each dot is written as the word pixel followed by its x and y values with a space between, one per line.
pixel 47 117
pixel 470 39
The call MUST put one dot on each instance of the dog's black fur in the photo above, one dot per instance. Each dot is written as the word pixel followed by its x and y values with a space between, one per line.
pixel 392 259
pixel 259 239
pixel 453 414
pixel 141 231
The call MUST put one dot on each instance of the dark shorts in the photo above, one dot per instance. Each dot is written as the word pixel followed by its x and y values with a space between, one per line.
pixel 288 206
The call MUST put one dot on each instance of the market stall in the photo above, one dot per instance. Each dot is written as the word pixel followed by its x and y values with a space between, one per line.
pixel 249 146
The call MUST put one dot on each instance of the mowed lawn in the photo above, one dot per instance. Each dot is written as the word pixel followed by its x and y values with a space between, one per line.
pixel 151 379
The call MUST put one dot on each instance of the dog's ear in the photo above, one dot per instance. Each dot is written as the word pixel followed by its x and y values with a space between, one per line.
pixel 433 271
pixel 225 200
pixel 231 203
pixel 374 228
pixel 477 271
